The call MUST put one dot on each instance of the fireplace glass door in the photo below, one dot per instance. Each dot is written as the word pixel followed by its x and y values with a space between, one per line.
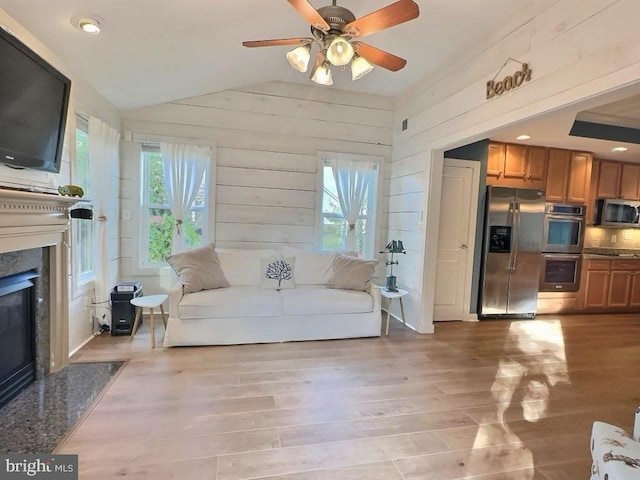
pixel 17 337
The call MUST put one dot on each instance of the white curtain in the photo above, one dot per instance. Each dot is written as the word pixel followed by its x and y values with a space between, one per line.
pixel 352 178
pixel 104 161
pixel 184 167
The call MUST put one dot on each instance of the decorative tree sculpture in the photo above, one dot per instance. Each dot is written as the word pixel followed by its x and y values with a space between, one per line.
pixel 278 270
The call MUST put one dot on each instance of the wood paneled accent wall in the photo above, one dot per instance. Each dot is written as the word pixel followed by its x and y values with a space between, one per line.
pixel 268 138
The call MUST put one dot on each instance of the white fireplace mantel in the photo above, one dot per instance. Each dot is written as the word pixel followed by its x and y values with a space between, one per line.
pixel 41 220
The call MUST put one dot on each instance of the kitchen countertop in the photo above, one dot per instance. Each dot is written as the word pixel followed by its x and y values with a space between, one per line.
pixel 611 253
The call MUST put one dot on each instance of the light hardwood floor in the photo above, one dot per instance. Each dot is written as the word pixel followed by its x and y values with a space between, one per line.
pixel 494 400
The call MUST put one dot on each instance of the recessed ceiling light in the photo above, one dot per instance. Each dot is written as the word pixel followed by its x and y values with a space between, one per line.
pixel 619 149
pixel 523 137
pixel 87 23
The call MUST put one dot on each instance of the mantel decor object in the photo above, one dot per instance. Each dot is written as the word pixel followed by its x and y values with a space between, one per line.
pixel 393 247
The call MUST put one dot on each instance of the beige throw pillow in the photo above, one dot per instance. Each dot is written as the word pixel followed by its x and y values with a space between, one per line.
pixel 351 273
pixel 198 269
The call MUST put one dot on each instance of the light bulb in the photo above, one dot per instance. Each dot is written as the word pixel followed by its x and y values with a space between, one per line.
pixel 340 51
pixel 88 23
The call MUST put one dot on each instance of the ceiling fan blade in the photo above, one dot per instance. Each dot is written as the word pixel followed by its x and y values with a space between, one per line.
pixel 279 41
pixel 310 14
pixel 379 57
pixel 389 16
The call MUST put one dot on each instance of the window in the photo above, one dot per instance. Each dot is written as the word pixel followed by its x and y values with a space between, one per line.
pixel 82 236
pixel 157 222
pixel 333 228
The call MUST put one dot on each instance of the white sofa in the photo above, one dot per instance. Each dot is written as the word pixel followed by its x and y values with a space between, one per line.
pixel 246 313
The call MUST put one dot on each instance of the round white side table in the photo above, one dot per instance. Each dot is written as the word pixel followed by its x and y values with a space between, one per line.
pixel 150 302
pixel 391 295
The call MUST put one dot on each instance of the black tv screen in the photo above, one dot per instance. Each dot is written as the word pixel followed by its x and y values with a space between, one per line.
pixel 34 98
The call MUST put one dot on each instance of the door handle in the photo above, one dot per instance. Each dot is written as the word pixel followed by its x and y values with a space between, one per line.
pixel 464 246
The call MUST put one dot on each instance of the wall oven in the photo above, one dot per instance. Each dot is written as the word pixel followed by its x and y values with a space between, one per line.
pixel 560 272
pixel 563 237
pixel 563 228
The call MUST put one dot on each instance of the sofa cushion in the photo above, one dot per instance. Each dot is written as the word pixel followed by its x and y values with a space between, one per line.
pixel 198 269
pixel 242 266
pixel 352 273
pixel 320 301
pixel 312 268
pixel 277 273
pixel 230 303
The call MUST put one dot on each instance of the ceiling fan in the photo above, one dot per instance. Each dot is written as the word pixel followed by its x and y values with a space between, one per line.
pixel 333 29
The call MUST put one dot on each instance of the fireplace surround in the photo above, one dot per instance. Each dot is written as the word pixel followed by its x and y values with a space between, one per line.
pixel 33 224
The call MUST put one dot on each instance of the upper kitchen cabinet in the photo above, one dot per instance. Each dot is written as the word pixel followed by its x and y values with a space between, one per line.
pixel 518 166
pixel 618 180
pixel 495 162
pixel 568 176
pixel 630 181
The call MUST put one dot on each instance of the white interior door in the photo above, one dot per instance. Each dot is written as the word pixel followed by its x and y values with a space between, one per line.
pixel 456 237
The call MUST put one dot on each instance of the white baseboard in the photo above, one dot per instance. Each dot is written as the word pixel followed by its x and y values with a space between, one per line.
pixel 75 350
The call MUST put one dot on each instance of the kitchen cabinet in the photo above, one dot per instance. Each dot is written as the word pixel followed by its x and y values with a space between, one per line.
pixel 630 182
pixel 635 291
pixel 495 162
pixel 558 302
pixel 596 284
pixel 612 284
pixel 520 166
pixel 619 288
pixel 590 212
pixel 609 179
pixel 579 177
pixel 568 176
pixel 618 180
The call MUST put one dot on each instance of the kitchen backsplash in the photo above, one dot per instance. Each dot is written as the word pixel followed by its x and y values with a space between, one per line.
pixel 612 238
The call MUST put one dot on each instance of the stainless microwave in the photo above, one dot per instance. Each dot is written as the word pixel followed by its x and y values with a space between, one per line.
pixel 612 212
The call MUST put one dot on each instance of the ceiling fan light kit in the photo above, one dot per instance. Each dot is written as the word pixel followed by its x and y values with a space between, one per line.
pixel 333 29
pixel 321 73
pixel 360 67
pixel 340 52
pixel 299 57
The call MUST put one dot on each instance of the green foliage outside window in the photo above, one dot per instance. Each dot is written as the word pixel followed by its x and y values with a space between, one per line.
pixel 161 234
pixel 162 221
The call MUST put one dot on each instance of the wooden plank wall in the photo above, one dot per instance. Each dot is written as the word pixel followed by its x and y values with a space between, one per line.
pixel 576 49
pixel 268 136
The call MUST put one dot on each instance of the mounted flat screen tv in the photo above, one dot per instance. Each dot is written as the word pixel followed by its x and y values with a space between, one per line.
pixel 34 98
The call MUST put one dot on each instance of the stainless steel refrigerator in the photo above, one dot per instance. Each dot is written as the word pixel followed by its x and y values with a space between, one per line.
pixel 512 252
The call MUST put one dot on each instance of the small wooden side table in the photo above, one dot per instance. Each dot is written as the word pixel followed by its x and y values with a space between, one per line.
pixel 391 295
pixel 150 302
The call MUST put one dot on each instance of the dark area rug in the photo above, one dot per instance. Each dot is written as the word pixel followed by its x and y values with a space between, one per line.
pixel 37 419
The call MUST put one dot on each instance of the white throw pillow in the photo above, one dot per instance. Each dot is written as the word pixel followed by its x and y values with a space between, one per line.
pixel 242 266
pixel 277 273
pixel 312 268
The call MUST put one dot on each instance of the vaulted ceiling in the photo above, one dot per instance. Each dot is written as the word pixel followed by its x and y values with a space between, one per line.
pixel 154 51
